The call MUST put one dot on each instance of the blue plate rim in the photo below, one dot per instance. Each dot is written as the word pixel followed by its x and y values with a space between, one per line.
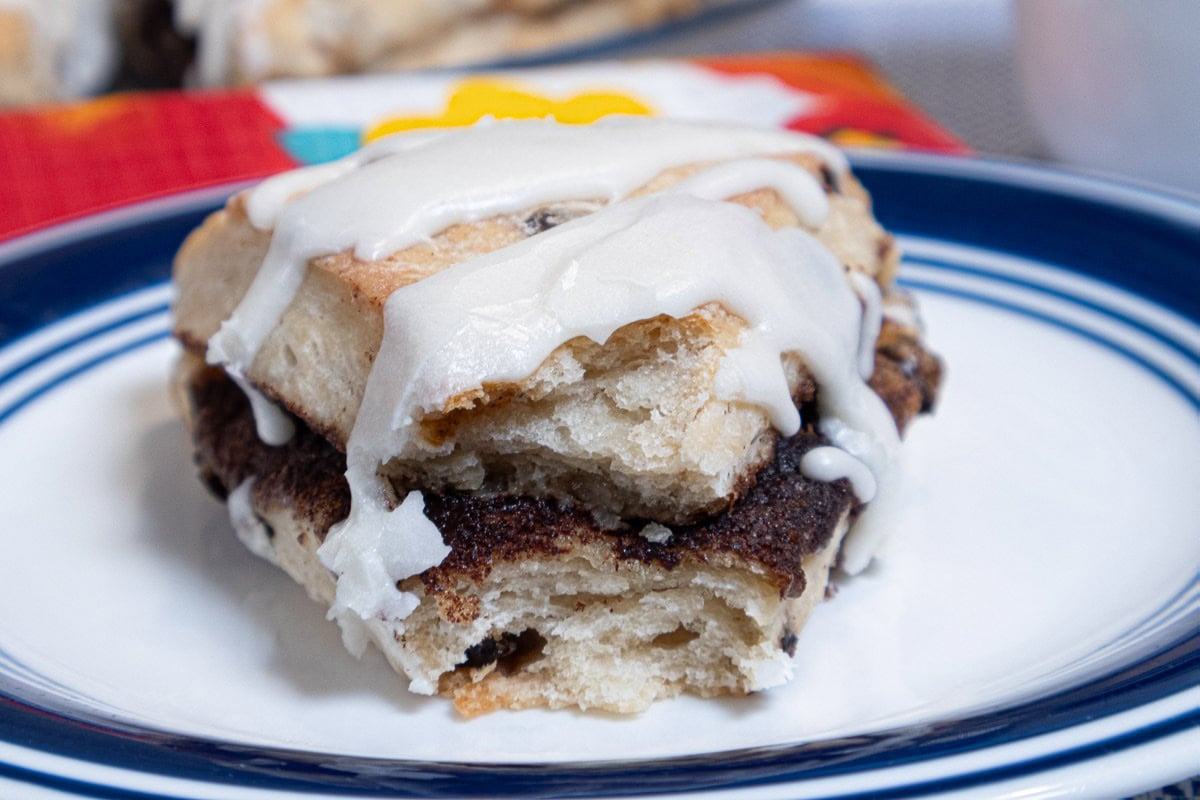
pixel 1164 674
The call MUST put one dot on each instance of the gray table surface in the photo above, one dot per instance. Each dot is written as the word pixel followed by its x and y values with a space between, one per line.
pixel 954 58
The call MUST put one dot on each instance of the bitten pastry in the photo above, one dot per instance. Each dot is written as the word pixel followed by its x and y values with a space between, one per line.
pixel 556 415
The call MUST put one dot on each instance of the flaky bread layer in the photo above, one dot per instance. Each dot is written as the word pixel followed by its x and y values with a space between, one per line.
pixel 634 428
pixel 581 629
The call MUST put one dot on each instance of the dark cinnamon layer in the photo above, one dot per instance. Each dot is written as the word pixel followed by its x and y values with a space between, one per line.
pixel 779 520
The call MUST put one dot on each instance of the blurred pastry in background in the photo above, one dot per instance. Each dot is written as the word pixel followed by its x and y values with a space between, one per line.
pixel 155 54
pixel 222 42
pixel 54 49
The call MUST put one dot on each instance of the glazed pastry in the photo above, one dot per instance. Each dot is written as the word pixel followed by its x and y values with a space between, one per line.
pixel 239 42
pixel 556 415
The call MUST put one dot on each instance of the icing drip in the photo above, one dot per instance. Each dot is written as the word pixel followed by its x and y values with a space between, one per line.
pixel 829 464
pixel 872 319
pixel 899 309
pixel 251 531
pixel 370 552
pixel 273 426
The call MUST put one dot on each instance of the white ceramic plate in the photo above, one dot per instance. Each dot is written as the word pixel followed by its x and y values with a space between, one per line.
pixel 1031 628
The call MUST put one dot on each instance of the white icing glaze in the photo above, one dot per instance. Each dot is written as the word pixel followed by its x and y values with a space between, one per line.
pixel 403 189
pixel 865 536
pixel 251 531
pixel 872 319
pixel 266 202
pixel 497 317
pixel 796 185
pixel 869 530
pixel 273 426
pixel 829 464
pixel 370 551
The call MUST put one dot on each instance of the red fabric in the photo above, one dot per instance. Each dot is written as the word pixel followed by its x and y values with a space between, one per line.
pixel 60 162
pixel 855 106
pixel 66 161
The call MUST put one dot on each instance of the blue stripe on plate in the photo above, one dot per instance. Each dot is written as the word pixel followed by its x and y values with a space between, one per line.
pixel 1152 255
pixel 1093 337
pixel 496 781
pixel 1156 333
pixel 42 356
pixel 68 277
pixel 74 372
pixel 1105 748
pixel 74 787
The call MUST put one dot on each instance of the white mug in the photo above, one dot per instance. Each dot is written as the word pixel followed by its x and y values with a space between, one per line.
pixel 1114 85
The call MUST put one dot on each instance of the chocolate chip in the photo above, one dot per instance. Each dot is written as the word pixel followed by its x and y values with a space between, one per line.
pixel 543 219
pixel 482 654
pixel 214 485
pixel 829 180
pixel 509 647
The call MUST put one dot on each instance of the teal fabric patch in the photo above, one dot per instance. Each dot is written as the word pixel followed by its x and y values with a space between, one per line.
pixel 318 145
